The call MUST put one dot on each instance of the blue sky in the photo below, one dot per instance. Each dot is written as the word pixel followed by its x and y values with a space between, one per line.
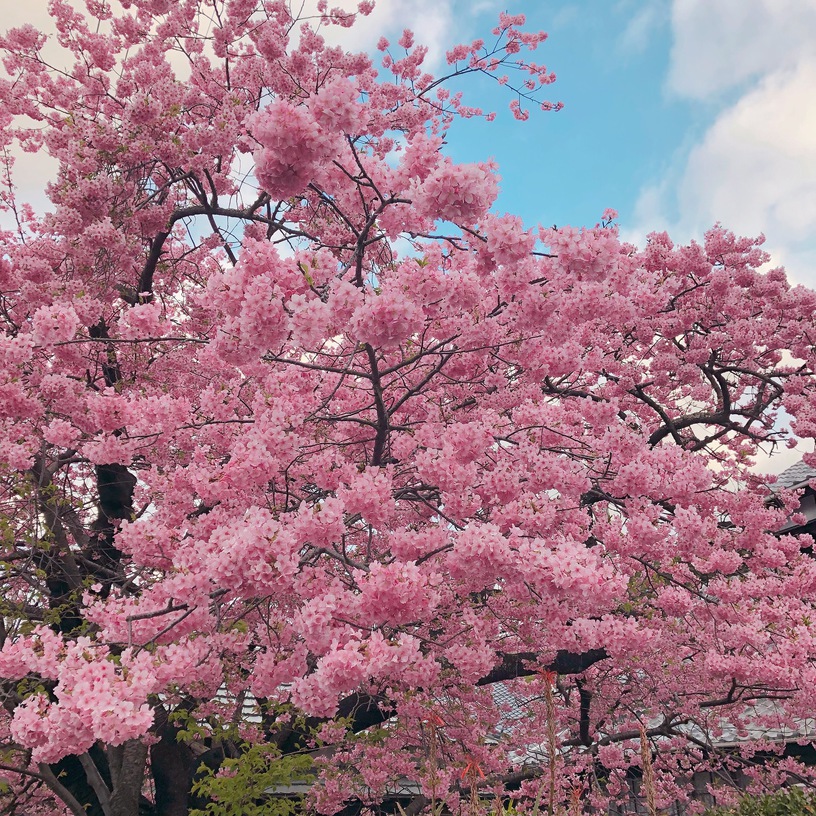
pixel 614 134
pixel 678 113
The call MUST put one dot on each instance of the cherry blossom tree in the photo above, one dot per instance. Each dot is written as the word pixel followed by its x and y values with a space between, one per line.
pixel 304 448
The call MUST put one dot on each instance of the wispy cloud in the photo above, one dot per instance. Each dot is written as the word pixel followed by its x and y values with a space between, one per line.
pixel 641 24
pixel 755 169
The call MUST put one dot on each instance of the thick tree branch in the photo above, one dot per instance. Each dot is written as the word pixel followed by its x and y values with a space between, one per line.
pixel 523 664
pixel 97 783
pixel 62 792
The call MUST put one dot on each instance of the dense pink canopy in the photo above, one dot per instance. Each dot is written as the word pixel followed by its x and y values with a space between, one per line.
pixel 299 436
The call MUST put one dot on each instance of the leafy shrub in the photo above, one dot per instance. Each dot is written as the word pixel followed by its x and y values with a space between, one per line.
pixel 788 802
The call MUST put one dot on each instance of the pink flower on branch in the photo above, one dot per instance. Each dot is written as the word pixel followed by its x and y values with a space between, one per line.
pixel 299 440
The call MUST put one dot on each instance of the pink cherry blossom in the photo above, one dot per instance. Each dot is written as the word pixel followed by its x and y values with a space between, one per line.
pixel 303 446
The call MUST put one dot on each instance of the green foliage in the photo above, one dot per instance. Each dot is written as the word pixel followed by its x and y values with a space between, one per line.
pixel 247 786
pixel 188 728
pixel 789 802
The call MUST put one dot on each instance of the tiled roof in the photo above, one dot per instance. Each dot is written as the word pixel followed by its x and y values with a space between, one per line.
pixel 512 705
pixel 795 475
pixel 764 720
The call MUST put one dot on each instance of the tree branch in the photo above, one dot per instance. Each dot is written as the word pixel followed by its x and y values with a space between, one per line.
pixel 64 794
pixel 96 782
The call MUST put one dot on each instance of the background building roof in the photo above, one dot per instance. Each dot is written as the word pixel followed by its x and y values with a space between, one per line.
pixel 795 476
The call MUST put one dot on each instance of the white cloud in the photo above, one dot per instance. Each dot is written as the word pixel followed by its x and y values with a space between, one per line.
pixel 35 13
pixel 754 169
pixel 719 44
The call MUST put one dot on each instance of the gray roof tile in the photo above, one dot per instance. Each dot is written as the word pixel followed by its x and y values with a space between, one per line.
pixel 795 475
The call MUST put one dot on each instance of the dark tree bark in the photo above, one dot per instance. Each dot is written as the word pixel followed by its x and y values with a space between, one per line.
pixel 172 765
